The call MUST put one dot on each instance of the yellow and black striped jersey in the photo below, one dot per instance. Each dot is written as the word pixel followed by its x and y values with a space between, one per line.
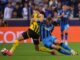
pixel 34 26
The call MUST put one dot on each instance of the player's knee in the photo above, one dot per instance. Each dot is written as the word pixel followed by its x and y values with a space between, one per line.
pixel 36 42
pixel 20 38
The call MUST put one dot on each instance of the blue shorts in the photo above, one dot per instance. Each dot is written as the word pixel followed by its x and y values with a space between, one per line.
pixel 49 41
pixel 64 27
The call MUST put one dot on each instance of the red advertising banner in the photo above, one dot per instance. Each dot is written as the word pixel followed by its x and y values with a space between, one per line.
pixel 9 34
pixel 73 33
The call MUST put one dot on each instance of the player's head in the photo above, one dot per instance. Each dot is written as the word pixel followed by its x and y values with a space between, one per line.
pixel 36 14
pixel 48 20
pixel 36 10
pixel 64 7
pixel 41 17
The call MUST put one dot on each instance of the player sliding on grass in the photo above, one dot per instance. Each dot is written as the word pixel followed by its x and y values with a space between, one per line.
pixel 33 32
pixel 50 41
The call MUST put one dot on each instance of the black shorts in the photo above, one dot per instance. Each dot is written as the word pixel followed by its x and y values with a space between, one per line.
pixel 31 34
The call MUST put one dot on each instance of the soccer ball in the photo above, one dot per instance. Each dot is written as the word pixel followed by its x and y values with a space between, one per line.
pixel 2 51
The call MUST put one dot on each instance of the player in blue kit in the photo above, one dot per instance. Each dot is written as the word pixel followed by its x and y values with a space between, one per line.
pixel 50 41
pixel 64 16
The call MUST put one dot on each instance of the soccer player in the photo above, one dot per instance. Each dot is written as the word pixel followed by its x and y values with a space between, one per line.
pixel 64 16
pixel 33 32
pixel 50 41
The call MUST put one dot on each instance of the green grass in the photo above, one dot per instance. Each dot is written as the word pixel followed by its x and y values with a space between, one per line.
pixel 27 52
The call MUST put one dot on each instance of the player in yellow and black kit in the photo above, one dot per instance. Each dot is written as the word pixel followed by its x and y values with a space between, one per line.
pixel 32 32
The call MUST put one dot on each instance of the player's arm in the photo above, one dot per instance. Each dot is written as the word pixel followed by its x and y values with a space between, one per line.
pixel 49 28
pixel 60 14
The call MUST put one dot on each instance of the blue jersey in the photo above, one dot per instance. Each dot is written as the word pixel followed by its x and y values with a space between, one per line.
pixel 45 30
pixel 65 18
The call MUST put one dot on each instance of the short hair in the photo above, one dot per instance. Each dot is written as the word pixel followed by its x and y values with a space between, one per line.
pixel 36 8
pixel 41 15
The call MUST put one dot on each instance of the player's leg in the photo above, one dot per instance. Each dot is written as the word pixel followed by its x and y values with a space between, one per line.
pixel 36 44
pixel 62 36
pixel 35 38
pixel 53 46
pixel 50 43
pixel 42 48
pixel 39 47
pixel 68 48
pixel 60 50
pixel 23 36
pixel 54 40
pixel 15 44
pixel 63 45
pixel 66 28
pixel 62 32
pixel 45 49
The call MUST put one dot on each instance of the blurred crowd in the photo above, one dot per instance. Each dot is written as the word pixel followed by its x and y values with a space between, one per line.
pixel 24 8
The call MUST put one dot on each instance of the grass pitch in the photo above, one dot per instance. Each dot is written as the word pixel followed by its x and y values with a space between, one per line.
pixel 27 52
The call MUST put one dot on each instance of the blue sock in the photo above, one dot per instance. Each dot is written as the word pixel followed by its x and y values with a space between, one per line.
pixel 66 36
pixel 62 36
pixel 64 52
pixel 65 46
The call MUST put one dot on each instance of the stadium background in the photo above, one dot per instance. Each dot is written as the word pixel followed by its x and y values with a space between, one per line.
pixel 17 23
